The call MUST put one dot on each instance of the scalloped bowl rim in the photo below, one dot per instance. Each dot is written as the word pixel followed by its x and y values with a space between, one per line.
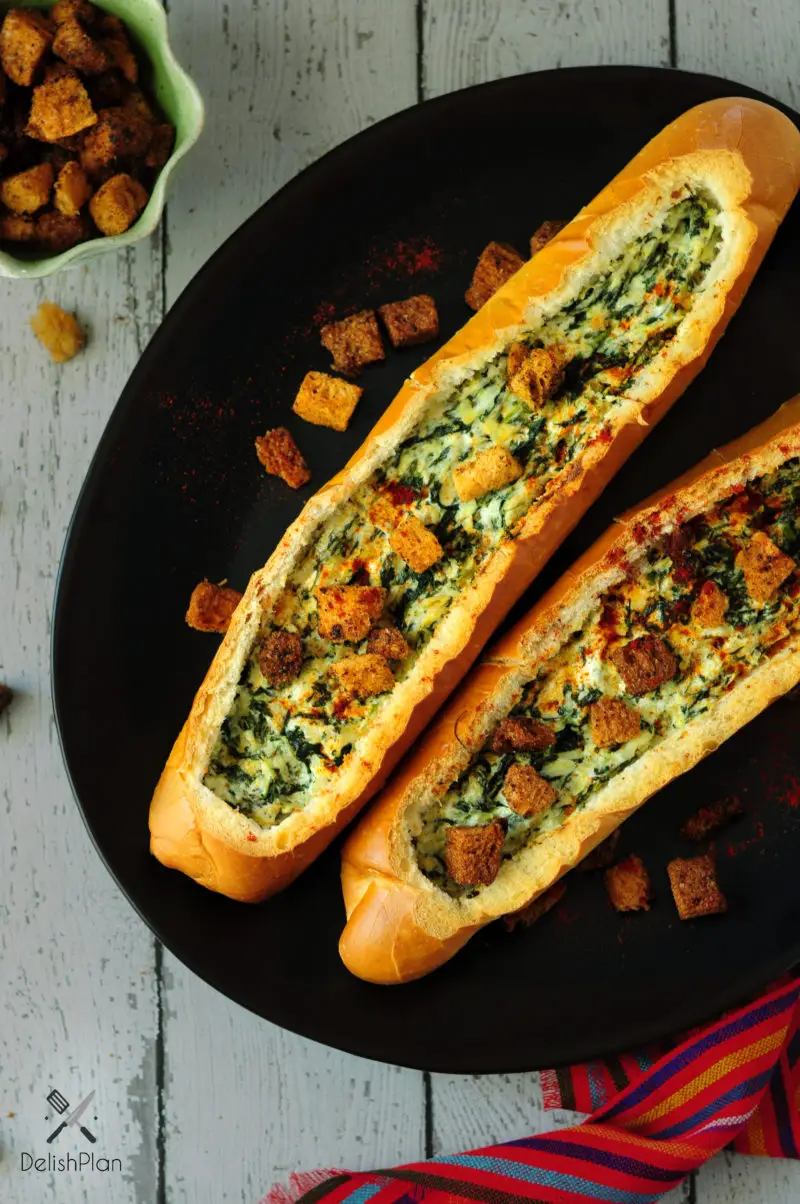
pixel 30 269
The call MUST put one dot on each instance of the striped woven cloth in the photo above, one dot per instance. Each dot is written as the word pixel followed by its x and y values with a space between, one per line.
pixel 736 1081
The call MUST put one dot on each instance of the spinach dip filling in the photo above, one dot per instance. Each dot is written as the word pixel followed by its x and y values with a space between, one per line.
pixel 693 594
pixel 281 742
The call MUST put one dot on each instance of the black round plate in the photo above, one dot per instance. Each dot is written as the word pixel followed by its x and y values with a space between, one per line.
pixel 175 494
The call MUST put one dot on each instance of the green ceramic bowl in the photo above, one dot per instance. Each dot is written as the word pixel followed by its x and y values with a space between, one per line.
pixel 182 104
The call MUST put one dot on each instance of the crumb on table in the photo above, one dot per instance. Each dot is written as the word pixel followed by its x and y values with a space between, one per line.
pixel 497 263
pixel 281 457
pixel 710 819
pixel 58 331
pixel 327 400
pixel 353 342
pixel 695 888
pixel 412 321
pixel 211 607
pixel 546 233
pixel 628 885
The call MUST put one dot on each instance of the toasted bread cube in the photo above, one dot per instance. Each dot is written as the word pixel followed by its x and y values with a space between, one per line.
pixel 644 663
pixel 161 144
pixel 281 456
pixel 416 544
pixel 602 855
pixel 17 229
pixel 6 697
pixel 472 855
pixel 497 264
pixel 487 471
pixel 137 103
pixel 119 131
pixel 211 607
pixel 58 331
pixel 59 109
pixel 612 721
pixel 117 204
pixel 64 10
pixel 538 376
pixel 353 342
pixel 545 233
pixel 389 643
pixel 764 565
pixel 710 605
pixel 58 232
pixel 326 400
pixel 533 911
pixel 694 887
pixel 73 190
pixel 515 358
pixel 520 733
pixel 348 612
pixel 25 38
pixel 75 47
pixel 710 819
pixel 526 792
pixel 363 676
pixel 628 885
pixel 28 190
pixel 118 46
pixel 410 322
pixel 280 657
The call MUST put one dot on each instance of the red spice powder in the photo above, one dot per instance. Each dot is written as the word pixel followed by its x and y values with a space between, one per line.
pixel 400 495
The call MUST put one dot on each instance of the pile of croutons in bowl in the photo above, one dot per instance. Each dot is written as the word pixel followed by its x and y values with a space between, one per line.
pixel 80 142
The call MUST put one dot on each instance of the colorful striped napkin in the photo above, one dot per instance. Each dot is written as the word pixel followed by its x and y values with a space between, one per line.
pixel 652 1122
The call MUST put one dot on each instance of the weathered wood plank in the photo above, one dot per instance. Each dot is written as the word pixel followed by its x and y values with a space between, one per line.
pixel 751 41
pixel 78 984
pixel 470 41
pixel 284 82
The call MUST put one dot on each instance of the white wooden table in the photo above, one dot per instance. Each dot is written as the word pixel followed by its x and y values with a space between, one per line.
pixel 199 1100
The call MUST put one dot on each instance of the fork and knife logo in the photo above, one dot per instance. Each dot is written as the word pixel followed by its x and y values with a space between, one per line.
pixel 56 1100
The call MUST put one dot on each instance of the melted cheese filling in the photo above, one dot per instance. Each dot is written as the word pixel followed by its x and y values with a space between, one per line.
pixel 655 600
pixel 280 744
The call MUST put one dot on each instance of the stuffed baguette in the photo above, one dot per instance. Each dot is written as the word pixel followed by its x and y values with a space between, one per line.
pixel 674 630
pixel 459 496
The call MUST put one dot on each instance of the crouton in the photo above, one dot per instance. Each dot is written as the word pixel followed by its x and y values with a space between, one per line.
pixel 137 103
pixel 612 721
pixel 628 885
pixel 59 109
pixel 65 10
pixel 58 331
pixel 73 190
pixel 484 473
pixel 526 792
pixel 6 697
pixel 601 856
pixel 161 144
pixel 118 132
pixel 644 663
pixel 764 566
pixel 280 657
pixel 281 457
pixel 534 911
pixel 211 607
pixel 545 233
pixel 353 342
pixel 472 855
pixel 497 264
pixel 115 41
pixel 58 232
pixel 710 605
pixel 326 400
pixel 519 733
pixel 28 190
pixel 76 48
pixel 416 544
pixel 25 38
pixel 694 887
pixel 363 676
pixel 515 358
pixel 17 229
pixel 348 612
pixel 117 204
pixel 389 643
pixel 710 819
pixel 108 90
pixel 410 322
pixel 538 376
